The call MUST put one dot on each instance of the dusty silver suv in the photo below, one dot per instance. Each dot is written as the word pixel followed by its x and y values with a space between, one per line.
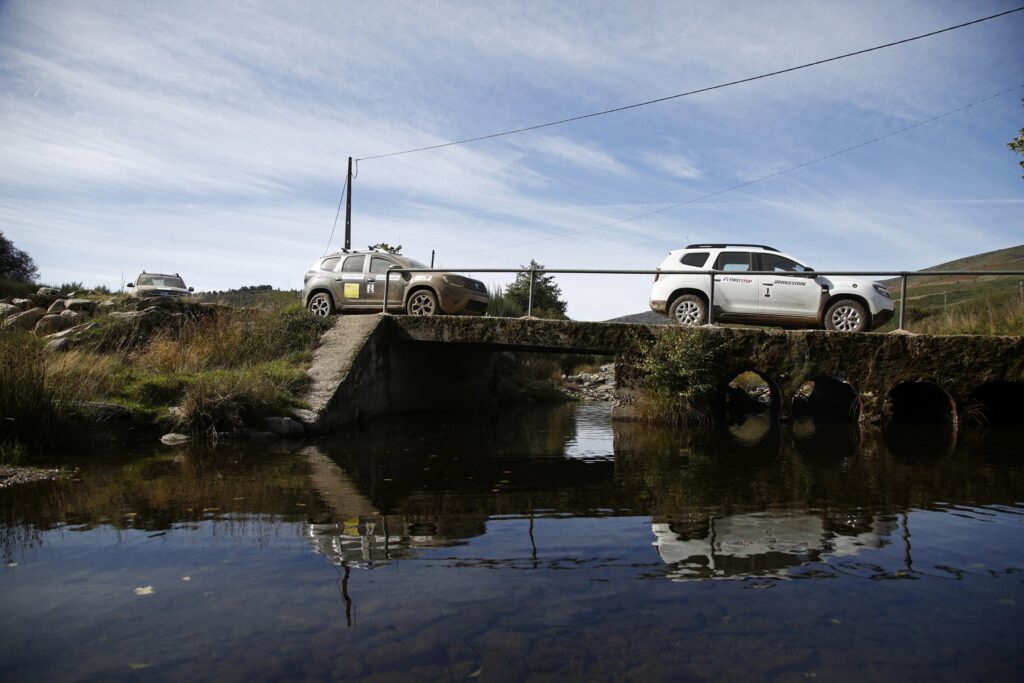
pixel 352 281
pixel 158 284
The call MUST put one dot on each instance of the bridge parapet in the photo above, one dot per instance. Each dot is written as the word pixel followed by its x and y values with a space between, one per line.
pixel 872 364
pixel 390 364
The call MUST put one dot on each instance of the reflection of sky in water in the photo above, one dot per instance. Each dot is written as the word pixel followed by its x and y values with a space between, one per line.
pixel 593 438
pixel 309 566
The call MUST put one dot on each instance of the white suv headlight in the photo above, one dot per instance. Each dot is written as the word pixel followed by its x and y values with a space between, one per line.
pixel 880 288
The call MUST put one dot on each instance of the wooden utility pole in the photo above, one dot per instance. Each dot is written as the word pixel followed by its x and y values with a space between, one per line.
pixel 348 207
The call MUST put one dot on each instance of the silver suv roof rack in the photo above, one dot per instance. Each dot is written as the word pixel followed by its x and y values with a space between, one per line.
pixel 724 246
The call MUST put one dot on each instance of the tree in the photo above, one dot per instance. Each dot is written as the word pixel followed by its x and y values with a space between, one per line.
pixel 16 264
pixel 547 296
pixel 1017 144
pixel 384 246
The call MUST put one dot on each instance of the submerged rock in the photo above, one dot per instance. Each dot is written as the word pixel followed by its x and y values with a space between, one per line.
pixel 285 426
pixel 174 439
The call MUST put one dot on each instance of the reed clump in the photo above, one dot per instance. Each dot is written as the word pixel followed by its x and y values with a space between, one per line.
pixel 36 406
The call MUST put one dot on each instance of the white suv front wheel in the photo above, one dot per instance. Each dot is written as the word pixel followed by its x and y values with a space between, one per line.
pixel 846 315
pixel 688 310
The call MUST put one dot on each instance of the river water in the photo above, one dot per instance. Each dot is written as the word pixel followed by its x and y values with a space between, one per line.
pixel 540 544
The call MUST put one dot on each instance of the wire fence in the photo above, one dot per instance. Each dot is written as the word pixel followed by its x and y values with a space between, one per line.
pixel 903 275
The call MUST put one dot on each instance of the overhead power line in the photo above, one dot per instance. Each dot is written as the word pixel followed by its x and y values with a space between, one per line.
pixel 748 183
pixel 694 92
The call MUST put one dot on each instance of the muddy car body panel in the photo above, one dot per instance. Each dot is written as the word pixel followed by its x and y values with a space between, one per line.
pixel 354 282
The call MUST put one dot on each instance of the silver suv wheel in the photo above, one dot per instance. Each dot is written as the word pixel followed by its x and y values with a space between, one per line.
pixel 422 302
pixel 846 316
pixel 321 305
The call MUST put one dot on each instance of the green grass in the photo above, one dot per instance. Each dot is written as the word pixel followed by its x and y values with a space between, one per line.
pixel 36 407
pixel 221 371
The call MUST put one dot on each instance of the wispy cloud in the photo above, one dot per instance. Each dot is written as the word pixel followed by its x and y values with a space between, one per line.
pixel 219 133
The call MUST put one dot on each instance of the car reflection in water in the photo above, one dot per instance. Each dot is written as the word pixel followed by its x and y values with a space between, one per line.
pixel 763 543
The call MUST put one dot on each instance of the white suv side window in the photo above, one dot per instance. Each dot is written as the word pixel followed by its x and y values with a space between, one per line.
pixel 695 259
pixel 777 263
pixel 735 261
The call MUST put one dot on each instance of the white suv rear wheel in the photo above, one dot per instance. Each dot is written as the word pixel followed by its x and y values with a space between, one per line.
pixel 688 310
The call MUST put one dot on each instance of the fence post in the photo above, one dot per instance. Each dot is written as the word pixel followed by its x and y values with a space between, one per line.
pixel 903 297
pixel 387 276
pixel 529 303
pixel 711 300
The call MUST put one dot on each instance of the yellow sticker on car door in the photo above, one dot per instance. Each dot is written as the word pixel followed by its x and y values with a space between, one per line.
pixel 351 290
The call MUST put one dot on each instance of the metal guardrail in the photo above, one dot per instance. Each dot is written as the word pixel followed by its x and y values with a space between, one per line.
pixel 904 275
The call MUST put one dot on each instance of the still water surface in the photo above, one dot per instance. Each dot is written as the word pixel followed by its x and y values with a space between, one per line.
pixel 544 544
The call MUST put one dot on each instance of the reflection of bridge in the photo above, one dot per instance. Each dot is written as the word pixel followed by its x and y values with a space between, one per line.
pixel 371 366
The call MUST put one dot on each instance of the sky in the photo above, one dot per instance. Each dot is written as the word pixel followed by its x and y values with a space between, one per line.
pixel 212 139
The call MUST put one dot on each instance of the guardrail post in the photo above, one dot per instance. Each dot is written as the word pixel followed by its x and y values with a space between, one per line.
pixel 529 303
pixel 903 297
pixel 387 277
pixel 711 301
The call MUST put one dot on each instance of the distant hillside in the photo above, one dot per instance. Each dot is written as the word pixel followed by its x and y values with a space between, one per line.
pixel 1011 258
pixel 645 318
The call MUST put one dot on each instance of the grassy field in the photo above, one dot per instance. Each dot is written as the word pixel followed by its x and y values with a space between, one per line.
pixel 982 304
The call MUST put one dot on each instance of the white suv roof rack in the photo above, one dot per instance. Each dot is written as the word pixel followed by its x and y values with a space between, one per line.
pixel 725 246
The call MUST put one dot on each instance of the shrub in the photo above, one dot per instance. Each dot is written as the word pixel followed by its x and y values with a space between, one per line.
pixel 680 373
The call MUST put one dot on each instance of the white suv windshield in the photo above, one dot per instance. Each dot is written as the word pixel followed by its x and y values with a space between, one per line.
pixel 161 281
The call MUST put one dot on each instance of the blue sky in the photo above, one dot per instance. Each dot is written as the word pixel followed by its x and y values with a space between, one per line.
pixel 212 138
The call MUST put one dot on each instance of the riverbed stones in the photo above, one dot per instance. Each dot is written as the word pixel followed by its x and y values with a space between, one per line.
pixel 26 320
pixel 285 426
pixel 174 439
pixel 592 386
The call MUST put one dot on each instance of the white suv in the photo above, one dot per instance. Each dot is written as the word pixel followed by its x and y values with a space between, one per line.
pixel 793 295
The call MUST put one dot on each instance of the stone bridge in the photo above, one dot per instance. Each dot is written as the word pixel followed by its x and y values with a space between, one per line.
pixel 376 365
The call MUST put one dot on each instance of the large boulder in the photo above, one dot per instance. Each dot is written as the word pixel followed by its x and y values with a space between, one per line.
pixel 8 310
pixel 48 291
pixel 57 307
pixel 75 317
pixel 65 340
pixel 23 304
pixel 43 300
pixel 26 320
pixel 81 306
pixel 107 306
pixel 51 324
